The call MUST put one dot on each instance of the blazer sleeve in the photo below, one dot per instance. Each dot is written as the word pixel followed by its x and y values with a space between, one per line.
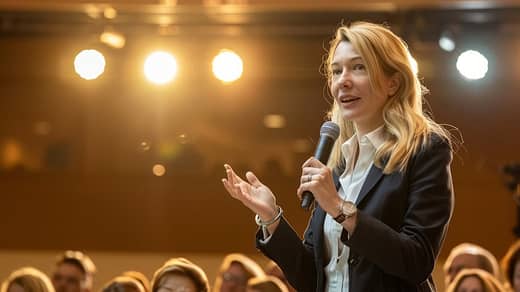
pixel 295 258
pixel 410 252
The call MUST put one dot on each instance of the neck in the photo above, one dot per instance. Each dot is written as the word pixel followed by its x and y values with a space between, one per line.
pixel 362 130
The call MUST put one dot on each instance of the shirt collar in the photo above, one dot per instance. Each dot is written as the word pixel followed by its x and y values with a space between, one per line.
pixel 376 138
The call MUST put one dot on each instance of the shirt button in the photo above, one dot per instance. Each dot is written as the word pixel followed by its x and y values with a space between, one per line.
pixel 353 261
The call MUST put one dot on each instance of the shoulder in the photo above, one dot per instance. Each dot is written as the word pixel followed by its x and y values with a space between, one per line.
pixel 435 150
pixel 433 142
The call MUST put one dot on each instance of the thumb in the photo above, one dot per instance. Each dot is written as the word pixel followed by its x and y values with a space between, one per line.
pixel 253 180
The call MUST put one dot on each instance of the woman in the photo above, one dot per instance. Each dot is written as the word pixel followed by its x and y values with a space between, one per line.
pixel 180 275
pixel 385 198
pixel 511 267
pixel 475 280
pixel 27 279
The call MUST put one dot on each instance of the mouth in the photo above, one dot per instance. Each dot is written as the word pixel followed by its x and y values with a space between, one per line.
pixel 348 98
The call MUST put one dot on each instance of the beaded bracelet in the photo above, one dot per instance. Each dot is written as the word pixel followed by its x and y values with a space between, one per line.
pixel 264 224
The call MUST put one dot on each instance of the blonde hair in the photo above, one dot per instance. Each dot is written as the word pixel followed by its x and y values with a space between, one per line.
pixel 488 281
pixel 30 279
pixel 118 284
pixel 406 126
pixel 140 277
pixel 251 268
pixel 181 266
pixel 509 261
pixel 266 284
pixel 486 259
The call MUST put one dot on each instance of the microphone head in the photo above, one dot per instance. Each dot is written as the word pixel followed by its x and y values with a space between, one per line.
pixel 330 129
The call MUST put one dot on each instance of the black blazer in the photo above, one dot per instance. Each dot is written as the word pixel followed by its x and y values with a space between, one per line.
pixel 402 221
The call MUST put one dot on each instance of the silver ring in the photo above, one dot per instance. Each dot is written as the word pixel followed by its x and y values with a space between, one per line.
pixel 310 178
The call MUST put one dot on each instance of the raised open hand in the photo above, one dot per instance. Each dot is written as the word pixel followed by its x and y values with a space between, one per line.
pixel 252 193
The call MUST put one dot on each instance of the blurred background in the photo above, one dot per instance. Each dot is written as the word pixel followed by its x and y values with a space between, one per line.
pixel 117 116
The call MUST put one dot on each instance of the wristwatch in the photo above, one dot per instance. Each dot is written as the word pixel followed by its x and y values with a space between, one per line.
pixel 347 209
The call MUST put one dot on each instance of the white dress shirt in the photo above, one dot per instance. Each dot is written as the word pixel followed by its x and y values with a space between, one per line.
pixel 351 181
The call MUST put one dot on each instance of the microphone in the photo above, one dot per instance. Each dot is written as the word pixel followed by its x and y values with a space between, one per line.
pixel 329 132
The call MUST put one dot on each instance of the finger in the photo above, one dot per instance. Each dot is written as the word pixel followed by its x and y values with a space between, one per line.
pixel 245 189
pixel 232 176
pixel 313 162
pixel 307 162
pixel 301 190
pixel 305 178
pixel 253 180
pixel 227 186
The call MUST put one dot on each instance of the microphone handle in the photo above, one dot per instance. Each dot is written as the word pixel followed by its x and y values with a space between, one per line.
pixel 307 199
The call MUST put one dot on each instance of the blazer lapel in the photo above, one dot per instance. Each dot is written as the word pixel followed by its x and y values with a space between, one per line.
pixel 373 177
pixel 318 226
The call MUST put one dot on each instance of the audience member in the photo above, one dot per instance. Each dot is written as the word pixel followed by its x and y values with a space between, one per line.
pixel 74 272
pixel 141 278
pixel 266 284
pixel 469 256
pixel 511 267
pixel 475 280
pixel 123 284
pixel 180 275
pixel 234 272
pixel 272 269
pixel 27 279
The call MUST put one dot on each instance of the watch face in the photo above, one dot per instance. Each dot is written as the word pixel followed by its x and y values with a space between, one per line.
pixel 349 208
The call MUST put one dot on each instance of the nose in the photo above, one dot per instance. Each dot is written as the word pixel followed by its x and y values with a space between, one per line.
pixel 345 79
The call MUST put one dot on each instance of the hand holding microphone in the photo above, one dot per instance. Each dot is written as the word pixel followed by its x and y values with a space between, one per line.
pixel 329 132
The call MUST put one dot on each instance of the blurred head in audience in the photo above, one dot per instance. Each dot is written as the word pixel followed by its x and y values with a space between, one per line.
pixel 272 269
pixel 469 256
pixel 234 272
pixel 180 275
pixel 74 272
pixel 511 266
pixel 141 278
pixel 27 280
pixel 475 280
pixel 266 284
pixel 123 284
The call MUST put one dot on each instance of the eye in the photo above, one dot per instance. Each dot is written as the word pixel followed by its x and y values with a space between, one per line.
pixel 336 71
pixel 358 67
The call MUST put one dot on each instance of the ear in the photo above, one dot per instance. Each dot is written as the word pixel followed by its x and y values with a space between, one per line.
pixel 393 84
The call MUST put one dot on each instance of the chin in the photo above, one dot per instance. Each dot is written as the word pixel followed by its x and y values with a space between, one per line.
pixel 349 116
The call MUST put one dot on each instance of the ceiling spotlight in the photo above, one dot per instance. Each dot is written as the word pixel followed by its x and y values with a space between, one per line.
pixel 110 13
pixel 447 41
pixel 274 121
pixel 472 65
pixel 113 39
pixel 89 64
pixel 160 67
pixel 227 66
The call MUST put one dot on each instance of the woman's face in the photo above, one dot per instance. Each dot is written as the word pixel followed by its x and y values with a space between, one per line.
pixel 470 284
pixel 516 276
pixel 177 283
pixel 350 86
